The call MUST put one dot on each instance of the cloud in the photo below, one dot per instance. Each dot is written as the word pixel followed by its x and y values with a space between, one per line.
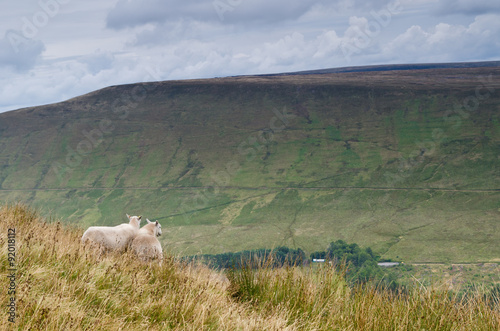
pixel 18 52
pixel 365 40
pixel 360 43
pixel 176 31
pixel 445 42
pixel 61 80
pixel 97 62
pixel 468 7
pixel 132 13
pixel 258 49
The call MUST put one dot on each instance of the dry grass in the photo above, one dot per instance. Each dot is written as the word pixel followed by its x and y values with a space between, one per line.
pixel 60 286
pixel 321 300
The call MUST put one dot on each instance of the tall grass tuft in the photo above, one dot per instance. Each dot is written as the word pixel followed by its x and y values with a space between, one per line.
pixel 62 286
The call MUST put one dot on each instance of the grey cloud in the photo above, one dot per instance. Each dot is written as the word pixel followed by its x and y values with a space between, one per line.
pixel 18 52
pixel 173 32
pixel 468 7
pixel 97 62
pixel 130 13
pixel 138 12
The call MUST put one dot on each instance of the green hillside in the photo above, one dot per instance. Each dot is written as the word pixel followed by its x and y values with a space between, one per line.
pixel 406 162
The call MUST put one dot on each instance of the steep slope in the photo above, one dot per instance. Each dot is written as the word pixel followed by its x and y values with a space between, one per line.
pixel 405 161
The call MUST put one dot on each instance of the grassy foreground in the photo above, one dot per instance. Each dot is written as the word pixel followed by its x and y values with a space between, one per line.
pixel 60 286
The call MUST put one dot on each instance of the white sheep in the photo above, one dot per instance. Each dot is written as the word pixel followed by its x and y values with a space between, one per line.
pixel 112 238
pixel 145 245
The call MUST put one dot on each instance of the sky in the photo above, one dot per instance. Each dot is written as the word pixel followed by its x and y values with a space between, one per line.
pixel 53 50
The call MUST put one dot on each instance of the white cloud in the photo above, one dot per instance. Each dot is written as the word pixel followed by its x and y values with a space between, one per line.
pixel 66 79
pixel 445 42
pixel 327 44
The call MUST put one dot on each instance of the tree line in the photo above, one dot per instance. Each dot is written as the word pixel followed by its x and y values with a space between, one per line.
pixel 359 264
pixel 278 257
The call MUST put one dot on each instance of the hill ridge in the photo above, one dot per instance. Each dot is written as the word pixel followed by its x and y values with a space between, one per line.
pixel 392 67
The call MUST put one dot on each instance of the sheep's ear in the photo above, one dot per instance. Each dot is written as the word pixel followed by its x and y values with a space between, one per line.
pixel 140 217
pixel 128 216
pixel 156 222
pixel 147 219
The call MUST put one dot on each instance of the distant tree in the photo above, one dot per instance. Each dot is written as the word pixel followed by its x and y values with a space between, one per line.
pixel 361 263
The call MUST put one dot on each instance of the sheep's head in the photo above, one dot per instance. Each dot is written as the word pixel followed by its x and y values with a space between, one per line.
pixel 134 220
pixel 157 227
